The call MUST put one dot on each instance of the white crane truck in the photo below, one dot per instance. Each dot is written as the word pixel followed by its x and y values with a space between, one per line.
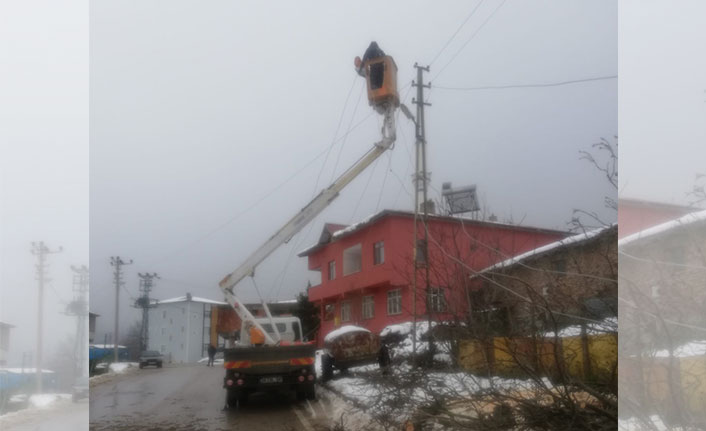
pixel 287 364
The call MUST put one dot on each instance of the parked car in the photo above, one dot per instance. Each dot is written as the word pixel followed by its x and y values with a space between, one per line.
pixel 151 357
pixel 351 346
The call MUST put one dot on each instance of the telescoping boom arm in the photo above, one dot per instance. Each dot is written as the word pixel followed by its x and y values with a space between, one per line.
pixel 306 215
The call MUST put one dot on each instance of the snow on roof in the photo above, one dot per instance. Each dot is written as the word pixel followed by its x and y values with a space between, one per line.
pixel 342 330
pixel 193 299
pixel 106 346
pixel 664 227
pixel 354 226
pixel 575 239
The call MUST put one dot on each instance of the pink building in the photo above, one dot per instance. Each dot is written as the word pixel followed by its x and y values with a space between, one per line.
pixel 367 269
pixel 635 215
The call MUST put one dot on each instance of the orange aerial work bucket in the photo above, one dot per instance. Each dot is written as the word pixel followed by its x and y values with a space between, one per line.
pixel 381 76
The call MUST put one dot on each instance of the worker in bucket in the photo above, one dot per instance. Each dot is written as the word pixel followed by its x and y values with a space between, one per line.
pixel 373 51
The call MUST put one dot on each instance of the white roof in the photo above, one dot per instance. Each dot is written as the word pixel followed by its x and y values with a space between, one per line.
pixel 193 299
pixel 342 330
pixel 551 246
pixel 660 228
pixel 107 346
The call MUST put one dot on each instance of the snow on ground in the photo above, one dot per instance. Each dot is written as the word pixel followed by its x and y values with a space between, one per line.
pixel 607 325
pixel 342 330
pixel 216 361
pixel 121 367
pixel 694 348
pixel 46 400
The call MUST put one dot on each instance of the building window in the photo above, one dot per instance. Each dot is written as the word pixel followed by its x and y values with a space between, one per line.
pixel 352 260
pixel 182 329
pixel 436 300
pixel 378 253
pixel 170 338
pixel 420 254
pixel 171 321
pixel 329 311
pixel 368 307
pixel 559 267
pixel 164 314
pixel 346 311
pixel 332 270
pixel 394 301
pixel 164 331
pixel 162 349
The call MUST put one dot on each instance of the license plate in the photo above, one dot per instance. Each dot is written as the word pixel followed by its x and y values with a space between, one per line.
pixel 274 379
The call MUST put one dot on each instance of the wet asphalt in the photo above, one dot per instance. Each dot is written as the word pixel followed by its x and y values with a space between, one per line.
pixel 191 397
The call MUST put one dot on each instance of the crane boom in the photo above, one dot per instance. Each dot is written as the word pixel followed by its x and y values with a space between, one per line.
pixel 301 219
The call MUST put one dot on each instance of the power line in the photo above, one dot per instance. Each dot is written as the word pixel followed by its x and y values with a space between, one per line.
pixel 456 32
pixel 469 40
pixel 549 84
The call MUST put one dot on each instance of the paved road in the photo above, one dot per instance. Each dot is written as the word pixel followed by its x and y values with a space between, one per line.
pixel 63 416
pixel 191 397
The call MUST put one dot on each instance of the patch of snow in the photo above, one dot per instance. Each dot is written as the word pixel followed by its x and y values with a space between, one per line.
pixel 120 367
pixel 107 346
pixel 656 230
pixel 216 361
pixel 654 422
pixel 355 226
pixel 25 370
pixel 45 400
pixel 607 325
pixel 545 248
pixel 694 348
pixel 342 330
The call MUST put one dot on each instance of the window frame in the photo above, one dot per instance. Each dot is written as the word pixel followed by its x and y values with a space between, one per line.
pixel 354 251
pixel 346 306
pixel 394 297
pixel 368 304
pixel 379 253
pixel 332 269
pixel 433 303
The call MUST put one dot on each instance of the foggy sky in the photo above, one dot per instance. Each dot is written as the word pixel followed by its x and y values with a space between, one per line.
pixel 199 110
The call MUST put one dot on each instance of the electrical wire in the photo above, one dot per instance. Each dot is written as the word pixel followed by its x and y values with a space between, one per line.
pixel 469 40
pixel 456 32
pixel 550 84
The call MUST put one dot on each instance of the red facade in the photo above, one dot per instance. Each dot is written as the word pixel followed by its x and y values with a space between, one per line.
pixel 363 292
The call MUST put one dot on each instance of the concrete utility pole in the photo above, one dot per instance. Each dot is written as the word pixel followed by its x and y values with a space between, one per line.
pixel 79 308
pixel 40 250
pixel 421 178
pixel 144 303
pixel 118 263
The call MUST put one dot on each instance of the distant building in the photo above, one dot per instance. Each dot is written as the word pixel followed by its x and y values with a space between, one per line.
pixel 4 342
pixel 635 215
pixel 179 327
pixel 91 327
pixel 367 269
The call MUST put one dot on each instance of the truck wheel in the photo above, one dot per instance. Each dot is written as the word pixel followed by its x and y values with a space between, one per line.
pixel 236 398
pixel 326 368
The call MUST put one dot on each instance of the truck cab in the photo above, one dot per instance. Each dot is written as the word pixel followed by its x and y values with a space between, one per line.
pixel 289 328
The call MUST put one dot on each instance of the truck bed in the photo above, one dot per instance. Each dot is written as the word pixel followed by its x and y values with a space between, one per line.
pixel 269 359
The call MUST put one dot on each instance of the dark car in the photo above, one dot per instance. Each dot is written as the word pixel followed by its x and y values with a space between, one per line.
pixel 151 357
